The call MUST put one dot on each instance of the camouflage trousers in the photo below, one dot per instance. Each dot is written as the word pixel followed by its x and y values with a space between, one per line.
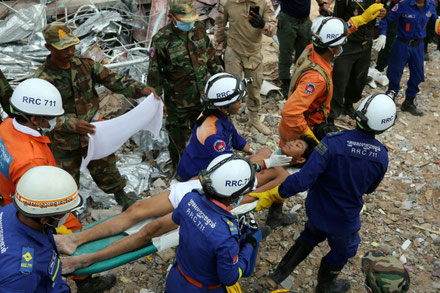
pixel 103 171
pixel 294 34
pixel 179 126
pixel 249 66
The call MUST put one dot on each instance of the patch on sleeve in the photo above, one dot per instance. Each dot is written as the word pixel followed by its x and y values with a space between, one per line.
pixel 235 259
pixel 219 146
pixel 310 88
pixel 232 226
pixel 321 148
pixel 151 52
pixel 395 7
pixel 27 260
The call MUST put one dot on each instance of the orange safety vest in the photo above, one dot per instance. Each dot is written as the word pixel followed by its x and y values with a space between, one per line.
pixel 309 104
pixel 20 152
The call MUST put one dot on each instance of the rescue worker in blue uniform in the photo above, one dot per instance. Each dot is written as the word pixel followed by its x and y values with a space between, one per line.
pixel 341 169
pixel 413 15
pixel 210 256
pixel 214 133
pixel 29 258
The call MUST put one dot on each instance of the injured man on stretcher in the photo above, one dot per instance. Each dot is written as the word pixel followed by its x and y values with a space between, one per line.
pixel 162 206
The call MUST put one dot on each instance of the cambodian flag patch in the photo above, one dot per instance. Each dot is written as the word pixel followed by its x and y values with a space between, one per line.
pixel 235 259
pixel 310 88
pixel 219 146
pixel 395 7
pixel 151 52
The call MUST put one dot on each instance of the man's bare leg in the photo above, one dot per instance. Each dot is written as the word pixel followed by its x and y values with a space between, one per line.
pixel 124 245
pixel 155 206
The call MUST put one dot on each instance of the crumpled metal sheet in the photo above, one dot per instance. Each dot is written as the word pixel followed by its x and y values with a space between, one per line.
pixel 148 142
pixel 98 23
pixel 23 23
pixel 139 174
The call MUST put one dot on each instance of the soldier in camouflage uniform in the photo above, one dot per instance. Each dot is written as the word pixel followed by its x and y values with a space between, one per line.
pixel 5 93
pixel 384 274
pixel 181 61
pixel 76 78
pixel 249 20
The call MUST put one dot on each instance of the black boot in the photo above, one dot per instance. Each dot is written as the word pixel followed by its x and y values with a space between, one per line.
pixel 409 106
pixel 126 199
pixel 276 218
pixel 349 110
pixel 96 284
pixel 296 254
pixel 327 282
pixel 285 84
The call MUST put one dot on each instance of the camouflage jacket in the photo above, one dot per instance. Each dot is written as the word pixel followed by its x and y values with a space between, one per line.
pixel 80 99
pixel 243 38
pixel 180 66
pixel 5 93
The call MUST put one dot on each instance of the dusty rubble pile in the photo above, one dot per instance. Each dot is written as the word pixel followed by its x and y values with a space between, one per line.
pixel 400 218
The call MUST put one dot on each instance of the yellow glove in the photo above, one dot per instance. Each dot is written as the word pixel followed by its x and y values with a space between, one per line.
pixel 370 14
pixel 309 132
pixel 234 288
pixel 266 198
pixel 63 230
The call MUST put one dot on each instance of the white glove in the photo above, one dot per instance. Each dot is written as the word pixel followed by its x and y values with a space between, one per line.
pixel 379 43
pixel 277 161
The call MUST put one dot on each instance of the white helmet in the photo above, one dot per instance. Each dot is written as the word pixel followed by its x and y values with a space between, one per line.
pixel 46 191
pixel 228 176
pixel 329 32
pixel 223 89
pixel 37 97
pixel 376 113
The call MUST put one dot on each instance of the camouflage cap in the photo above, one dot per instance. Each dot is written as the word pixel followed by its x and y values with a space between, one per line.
pixel 59 36
pixel 384 274
pixel 183 10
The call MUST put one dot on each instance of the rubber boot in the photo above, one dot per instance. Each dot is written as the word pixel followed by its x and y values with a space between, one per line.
pixel 327 282
pixel 126 199
pixel 255 122
pixel 285 84
pixel 409 106
pixel 96 284
pixel 296 254
pixel 276 218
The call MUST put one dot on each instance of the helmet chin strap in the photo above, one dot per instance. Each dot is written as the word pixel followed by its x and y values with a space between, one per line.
pixel 37 127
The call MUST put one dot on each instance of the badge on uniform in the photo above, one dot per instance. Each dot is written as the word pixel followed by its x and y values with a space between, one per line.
pixel 310 88
pixel 27 260
pixel 232 227
pixel 54 266
pixel 151 52
pixel 395 7
pixel 219 145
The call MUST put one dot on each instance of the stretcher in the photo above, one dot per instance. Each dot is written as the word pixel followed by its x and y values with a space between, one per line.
pixel 170 239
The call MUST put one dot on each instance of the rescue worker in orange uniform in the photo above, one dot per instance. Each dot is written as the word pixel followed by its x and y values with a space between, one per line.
pixel 311 87
pixel 35 105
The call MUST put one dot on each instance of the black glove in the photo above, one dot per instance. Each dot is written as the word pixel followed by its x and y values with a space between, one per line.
pixel 322 129
pixel 251 239
pixel 257 21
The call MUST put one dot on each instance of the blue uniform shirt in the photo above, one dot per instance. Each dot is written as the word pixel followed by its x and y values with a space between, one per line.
pixel 341 169
pixel 296 8
pixel 412 20
pixel 209 250
pixel 197 156
pixel 29 259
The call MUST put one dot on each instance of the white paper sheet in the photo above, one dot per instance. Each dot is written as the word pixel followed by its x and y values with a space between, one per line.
pixel 111 134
